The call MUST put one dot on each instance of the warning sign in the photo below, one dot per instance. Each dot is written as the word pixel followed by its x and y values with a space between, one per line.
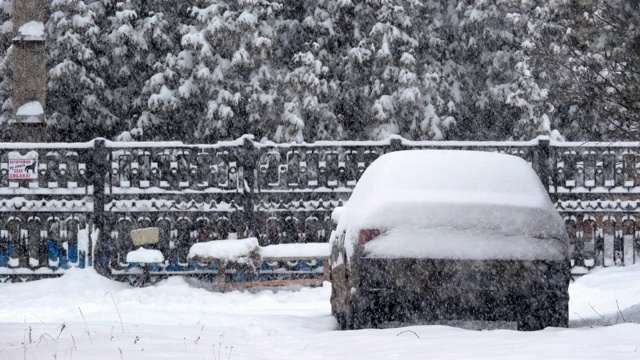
pixel 23 169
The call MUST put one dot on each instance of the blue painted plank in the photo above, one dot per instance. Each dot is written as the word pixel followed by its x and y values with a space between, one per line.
pixel 73 253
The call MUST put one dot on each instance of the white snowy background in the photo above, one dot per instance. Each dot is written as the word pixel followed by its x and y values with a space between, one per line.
pixel 85 316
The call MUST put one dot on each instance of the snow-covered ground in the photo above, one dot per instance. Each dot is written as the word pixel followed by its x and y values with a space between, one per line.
pixel 85 316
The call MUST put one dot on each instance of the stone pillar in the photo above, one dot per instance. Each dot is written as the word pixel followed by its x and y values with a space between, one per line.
pixel 29 65
pixel 30 71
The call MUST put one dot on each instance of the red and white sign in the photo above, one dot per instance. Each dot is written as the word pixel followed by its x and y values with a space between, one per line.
pixel 23 169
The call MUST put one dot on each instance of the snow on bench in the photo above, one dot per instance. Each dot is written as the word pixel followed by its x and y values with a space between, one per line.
pixel 296 251
pixel 224 250
pixel 232 250
pixel 145 256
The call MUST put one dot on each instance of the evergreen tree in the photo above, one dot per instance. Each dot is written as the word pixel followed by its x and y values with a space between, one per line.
pixel 205 70
pixel 311 86
pixel 514 103
pixel 394 85
pixel 161 26
pixel 128 55
pixel 589 51
pixel 78 99
pixel 6 50
pixel 221 82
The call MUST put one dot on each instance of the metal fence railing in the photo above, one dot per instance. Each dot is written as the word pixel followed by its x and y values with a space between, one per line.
pixel 279 193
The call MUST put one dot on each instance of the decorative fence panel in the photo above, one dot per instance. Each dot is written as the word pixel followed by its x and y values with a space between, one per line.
pixel 597 189
pixel 192 193
pixel 280 193
pixel 43 217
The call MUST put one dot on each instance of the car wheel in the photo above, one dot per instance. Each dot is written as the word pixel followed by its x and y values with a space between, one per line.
pixel 552 310
pixel 342 315
pixel 346 305
pixel 361 315
pixel 350 318
pixel 339 295
pixel 355 318
pixel 341 318
pixel 334 298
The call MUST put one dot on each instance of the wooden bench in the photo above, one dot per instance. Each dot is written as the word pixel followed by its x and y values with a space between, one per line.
pixel 247 253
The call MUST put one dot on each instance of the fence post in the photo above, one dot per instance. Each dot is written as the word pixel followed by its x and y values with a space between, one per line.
pixel 542 164
pixel 395 144
pixel 248 160
pixel 99 170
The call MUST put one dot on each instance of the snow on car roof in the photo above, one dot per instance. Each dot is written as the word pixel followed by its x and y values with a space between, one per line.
pixel 452 188
pixel 452 172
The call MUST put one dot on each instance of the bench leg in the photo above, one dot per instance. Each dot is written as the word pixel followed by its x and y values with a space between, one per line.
pixel 221 281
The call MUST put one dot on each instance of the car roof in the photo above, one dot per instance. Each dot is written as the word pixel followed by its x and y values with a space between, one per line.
pixel 451 171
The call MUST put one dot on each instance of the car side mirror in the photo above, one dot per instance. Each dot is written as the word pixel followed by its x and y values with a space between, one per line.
pixel 335 215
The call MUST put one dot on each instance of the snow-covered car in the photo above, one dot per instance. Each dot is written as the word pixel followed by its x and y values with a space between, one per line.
pixel 432 236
